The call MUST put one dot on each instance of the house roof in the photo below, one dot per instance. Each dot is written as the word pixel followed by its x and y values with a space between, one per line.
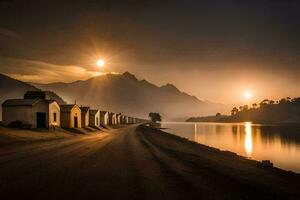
pixel 35 95
pixel 84 109
pixel 66 108
pixel 21 102
pixel 94 112
pixel 111 113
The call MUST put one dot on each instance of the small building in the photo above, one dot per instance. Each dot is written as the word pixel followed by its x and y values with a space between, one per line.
pixel 34 113
pixel 119 118
pixel 123 119
pixel 104 118
pixel 110 115
pixel 130 120
pixel 85 116
pixel 94 118
pixel 126 120
pixel 134 120
pixel 112 118
pixel 115 118
pixel 70 116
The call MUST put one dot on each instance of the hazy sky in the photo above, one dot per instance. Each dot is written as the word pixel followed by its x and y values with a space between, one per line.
pixel 214 49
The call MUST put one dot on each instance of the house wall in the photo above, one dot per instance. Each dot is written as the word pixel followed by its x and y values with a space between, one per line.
pixel 43 107
pixel 93 119
pixel 106 119
pixel 26 114
pixel 123 120
pixel 85 119
pixel 102 118
pixel 119 119
pixel 130 120
pixel 114 119
pixel 75 112
pixel 97 119
pixel 65 119
pixel 17 113
pixel 54 108
pixel 110 118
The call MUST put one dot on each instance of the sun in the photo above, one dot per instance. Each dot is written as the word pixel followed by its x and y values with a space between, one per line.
pixel 248 95
pixel 100 63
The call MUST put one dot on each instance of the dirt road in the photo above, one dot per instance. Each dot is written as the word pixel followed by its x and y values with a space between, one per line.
pixel 107 165
pixel 120 164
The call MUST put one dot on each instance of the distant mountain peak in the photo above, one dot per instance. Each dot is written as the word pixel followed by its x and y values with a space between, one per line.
pixel 129 76
pixel 170 87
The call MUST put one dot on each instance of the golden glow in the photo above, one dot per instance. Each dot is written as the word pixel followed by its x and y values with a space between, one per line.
pixel 248 95
pixel 248 139
pixel 100 63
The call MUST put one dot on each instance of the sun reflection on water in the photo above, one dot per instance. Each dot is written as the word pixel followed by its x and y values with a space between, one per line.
pixel 280 144
pixel 248 139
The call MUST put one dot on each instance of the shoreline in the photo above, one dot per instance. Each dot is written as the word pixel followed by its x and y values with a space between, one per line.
pixel 276 134
pixel 221 167
pixel 164 131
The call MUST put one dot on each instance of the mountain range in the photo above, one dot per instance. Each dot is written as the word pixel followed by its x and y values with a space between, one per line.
pixel 126 94
pixel 13 89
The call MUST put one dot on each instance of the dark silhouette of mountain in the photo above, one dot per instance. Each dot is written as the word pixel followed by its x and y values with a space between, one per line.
pixel 286 110
pixel 11 88
pixel 125 93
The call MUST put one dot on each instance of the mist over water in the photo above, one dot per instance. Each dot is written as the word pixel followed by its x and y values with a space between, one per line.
pixel 280 144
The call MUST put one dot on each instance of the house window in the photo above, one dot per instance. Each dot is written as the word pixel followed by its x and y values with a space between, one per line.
pixel 54 117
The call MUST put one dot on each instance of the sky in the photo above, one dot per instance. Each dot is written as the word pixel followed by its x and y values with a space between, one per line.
pixel 213 49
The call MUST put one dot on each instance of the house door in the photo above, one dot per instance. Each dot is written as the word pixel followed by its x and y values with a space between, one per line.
pixel 40 120
pixel 76 122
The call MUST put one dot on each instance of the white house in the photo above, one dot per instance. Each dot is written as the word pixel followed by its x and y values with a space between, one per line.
pixel 112 118
pixel 34 113
pixel 70 116
pixel 104 118
pixel 85 116
pixel 94 118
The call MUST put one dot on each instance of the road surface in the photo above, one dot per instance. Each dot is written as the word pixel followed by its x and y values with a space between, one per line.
pixel 113 165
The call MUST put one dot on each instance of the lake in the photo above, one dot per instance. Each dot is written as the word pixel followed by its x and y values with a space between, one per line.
pixel 280 144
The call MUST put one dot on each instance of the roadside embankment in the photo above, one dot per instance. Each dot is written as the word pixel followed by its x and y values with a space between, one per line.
pixel 14 136
pixel 218 174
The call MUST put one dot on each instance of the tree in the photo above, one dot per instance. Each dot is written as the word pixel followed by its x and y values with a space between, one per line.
pixel 154 117
pixel 245 107
pixel 218 114
pixel 282 101
pixel 264 102
pixel 254 105
pixel 241 108
pixel 234 111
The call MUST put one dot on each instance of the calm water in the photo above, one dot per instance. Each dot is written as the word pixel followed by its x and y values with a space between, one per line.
pixel 280 144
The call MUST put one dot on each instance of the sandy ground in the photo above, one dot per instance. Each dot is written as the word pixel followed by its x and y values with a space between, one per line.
pixel 135 163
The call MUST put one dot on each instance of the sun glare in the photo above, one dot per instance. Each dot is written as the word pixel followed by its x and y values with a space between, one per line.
pixel 248 95
pixel 248 138
pixel 100 63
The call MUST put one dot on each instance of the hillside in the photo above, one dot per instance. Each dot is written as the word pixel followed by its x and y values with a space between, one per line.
pixel 286 110
pixel 125 93
pixel 11 88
